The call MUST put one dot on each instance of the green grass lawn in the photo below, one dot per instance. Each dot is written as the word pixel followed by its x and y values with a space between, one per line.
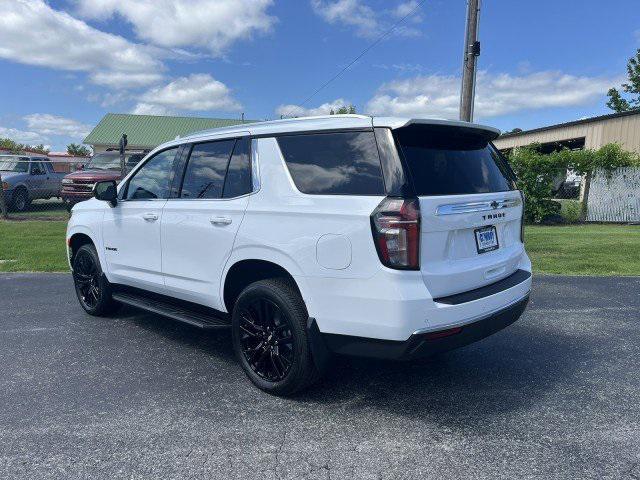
pixel 38 246
pixel 33 246
pixel 49 209
pixel 584 249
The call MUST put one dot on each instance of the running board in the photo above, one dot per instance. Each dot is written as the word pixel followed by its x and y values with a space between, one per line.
pixel 173 311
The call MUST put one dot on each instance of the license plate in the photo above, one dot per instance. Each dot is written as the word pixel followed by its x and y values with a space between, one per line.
pixel 486 239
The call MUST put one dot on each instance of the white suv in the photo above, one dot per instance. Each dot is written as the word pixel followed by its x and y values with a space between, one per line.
pixel 382 237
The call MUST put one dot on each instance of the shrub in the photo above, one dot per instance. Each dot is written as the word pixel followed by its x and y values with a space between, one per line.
pixel 571 211
pixel 536 173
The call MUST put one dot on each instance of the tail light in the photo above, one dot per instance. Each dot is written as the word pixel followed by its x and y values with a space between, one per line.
pixel 395 224
pixel 522 218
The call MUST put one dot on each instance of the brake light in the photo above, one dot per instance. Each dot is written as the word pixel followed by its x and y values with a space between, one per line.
pixel 522 218
pixel 395 224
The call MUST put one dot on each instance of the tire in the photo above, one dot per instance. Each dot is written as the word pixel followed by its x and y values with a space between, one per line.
pixel 20 201
pixel 92 288
pixel 270 337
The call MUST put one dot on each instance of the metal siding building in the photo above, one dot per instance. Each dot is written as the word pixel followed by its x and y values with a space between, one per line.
pixel 612 198
pixel 591 133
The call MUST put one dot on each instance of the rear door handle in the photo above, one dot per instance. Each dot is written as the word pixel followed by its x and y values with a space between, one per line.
pixel 151 217
pixel 220 221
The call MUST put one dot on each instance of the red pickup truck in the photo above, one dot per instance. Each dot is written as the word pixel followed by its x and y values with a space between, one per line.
pixel 78 186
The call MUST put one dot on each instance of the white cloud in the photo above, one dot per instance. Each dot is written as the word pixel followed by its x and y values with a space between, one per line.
pixel 366 22
pixel 21 136
pixel 186 23
pixel 405 8
pixel 352 13
pixel 324 109
pixel 142 108
pixel 401 67
pixel 414 15
pixel 497 94
pixel 110 99
pixel 197 92
pixel 125 80
pixel 46 124
pixel 33 33
pixel 43 126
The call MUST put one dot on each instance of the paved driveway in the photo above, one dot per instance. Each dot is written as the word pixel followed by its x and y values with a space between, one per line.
pixel 556 395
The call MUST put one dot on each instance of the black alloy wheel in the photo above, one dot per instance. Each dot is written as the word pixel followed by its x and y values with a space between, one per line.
pixel 87 279
pixel 92 288
pixel 270 337
pixel 266 340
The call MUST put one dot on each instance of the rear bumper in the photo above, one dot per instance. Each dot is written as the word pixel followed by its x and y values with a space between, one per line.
pixel 426 343
pixel 393 305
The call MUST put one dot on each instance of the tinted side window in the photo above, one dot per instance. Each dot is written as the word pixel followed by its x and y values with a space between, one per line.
pixel 344 163
pixel 37 168
pixel 206 169
pixel 153 180
pixel 49 167
pixel 238 181
pixel 133 160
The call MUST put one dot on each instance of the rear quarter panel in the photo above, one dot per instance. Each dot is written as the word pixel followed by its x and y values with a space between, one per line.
pixel 289 228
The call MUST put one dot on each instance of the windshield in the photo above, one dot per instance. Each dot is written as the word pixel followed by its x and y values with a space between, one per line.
pixel 104 162
pixel 109 161
pixel 14 164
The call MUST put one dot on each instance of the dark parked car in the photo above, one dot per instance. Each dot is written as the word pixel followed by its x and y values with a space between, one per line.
pixel 26 178
pixel 78 186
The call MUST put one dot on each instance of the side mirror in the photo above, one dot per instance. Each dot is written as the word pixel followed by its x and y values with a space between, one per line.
pixel 106 191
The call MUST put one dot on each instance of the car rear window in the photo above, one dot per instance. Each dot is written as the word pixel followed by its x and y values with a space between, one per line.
pixel 448 161
pixel 342 163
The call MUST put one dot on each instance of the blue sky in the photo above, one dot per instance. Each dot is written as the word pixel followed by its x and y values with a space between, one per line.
pixel 66 63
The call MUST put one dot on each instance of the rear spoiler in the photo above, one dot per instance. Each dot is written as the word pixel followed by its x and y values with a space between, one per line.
pixel 395 123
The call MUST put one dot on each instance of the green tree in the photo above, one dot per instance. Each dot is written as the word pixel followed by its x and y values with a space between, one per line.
pixel 14 147
pixel 38 149
pixel 343 110
pixel 515 130
pixel 616 101
pixel 8 144
pixel 78 150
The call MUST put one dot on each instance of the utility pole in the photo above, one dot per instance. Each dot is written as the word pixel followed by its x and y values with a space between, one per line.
pixel 122 146
pixel 471 54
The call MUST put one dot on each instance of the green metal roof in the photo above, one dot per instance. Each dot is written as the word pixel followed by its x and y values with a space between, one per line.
pixel 148 131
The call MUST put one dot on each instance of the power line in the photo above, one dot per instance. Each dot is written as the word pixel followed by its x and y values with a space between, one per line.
pixel 362 54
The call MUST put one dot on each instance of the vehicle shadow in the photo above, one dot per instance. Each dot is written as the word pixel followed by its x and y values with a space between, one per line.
pixel 216 343
pixel 507 372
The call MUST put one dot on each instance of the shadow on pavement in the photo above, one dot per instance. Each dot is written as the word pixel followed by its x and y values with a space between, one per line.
pixel 509 371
